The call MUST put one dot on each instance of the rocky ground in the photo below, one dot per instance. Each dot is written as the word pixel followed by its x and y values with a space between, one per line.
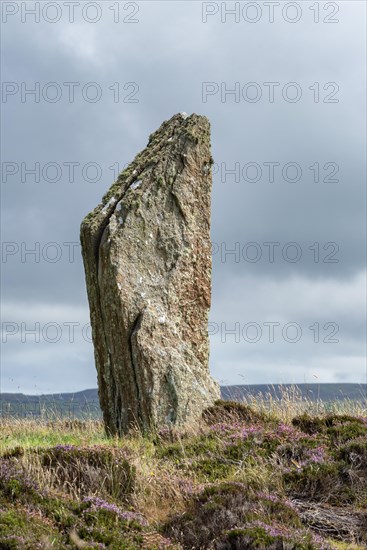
pixel 239 479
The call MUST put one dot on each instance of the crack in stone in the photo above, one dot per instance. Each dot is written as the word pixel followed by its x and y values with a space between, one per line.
pixel 178 205
pixel 135 327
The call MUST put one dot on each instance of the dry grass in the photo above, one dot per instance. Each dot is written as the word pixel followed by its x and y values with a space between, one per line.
pixel 291 403
pixel 173 467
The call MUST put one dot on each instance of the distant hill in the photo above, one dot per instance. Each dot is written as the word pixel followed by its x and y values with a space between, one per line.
pixel 322 392
pixel 78 404
pixel 80 397
pixel 325 392
pixel 85 402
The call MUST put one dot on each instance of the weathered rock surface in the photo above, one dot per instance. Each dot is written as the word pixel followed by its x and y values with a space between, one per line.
pixel 147 259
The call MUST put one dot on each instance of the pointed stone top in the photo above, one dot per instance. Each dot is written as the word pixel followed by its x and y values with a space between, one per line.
pixel 171 133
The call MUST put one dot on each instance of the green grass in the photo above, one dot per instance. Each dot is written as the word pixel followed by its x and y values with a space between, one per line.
pixel 246 476
pixel 31 433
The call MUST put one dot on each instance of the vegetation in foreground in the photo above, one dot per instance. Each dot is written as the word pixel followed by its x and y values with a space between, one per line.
pixel 244 478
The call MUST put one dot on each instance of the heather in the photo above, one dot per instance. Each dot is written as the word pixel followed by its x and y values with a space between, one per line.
pixel 245 477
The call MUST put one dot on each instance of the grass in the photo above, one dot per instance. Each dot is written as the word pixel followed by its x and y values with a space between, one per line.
pixel 29 433
pixel 290 403
pixel 263 474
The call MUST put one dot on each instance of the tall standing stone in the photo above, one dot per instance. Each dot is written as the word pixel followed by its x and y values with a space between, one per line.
pixel 147 260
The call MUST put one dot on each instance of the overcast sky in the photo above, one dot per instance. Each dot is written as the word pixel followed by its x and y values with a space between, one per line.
pixel 283 85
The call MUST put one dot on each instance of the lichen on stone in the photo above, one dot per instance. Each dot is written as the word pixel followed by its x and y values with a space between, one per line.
pixel 150 372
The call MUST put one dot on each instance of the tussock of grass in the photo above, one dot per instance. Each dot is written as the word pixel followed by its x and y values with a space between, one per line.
pixel 250 475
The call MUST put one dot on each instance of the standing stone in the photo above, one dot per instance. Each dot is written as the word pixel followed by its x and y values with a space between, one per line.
pixel 147 260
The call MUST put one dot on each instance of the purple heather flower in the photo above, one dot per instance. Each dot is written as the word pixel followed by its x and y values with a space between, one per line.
pixel 273 531
pixel 97 503
pixel 276 499
pixel 268 496
pixel 65 447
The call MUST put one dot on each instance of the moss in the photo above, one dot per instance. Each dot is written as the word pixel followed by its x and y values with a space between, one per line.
pixel 326 482
pixel 207 469
pixel 171 451
pixel 189 448
pixel 92 526
pixel 21 531
pixel 339 545
pixel 354 453
pixel 229 515
pixel 222 490
pixel 255 537
pixel 118 185
pixel 202 456
pixel 15 484
pixel 264 538
pixel 313 425
pixel 59 512
pixel 191 136
pixel 279 511
pixel 105 527
pixel 237 451
pixel 346 432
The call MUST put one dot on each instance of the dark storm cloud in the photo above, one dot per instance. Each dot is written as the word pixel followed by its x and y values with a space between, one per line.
pixel 169 54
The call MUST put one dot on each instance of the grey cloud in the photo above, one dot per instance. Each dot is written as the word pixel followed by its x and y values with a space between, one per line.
pixel 170 53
